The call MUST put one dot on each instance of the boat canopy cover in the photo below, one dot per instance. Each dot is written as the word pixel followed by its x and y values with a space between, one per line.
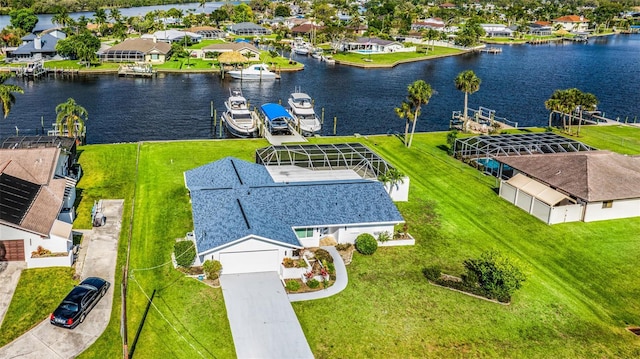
pixel 273 111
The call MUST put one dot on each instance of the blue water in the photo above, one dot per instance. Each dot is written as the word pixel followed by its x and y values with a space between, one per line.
pixel 515 83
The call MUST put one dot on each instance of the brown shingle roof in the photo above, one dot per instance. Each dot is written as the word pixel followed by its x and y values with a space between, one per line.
pixel 590 175
pixel 37 165
pixel 143 45
pixel 45 208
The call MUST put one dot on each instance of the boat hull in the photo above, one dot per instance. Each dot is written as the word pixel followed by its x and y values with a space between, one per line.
pixel 237 131
pixel 248 76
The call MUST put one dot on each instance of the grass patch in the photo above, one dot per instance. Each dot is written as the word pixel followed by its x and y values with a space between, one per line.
pixel 579 297
pixel 38 294
pixel 394 57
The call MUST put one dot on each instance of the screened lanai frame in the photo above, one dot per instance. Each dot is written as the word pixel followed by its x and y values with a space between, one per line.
pixel 354 156
pixel 122 56
pixel 516 145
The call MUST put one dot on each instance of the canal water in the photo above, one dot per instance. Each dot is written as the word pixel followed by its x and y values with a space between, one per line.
pixel 515 83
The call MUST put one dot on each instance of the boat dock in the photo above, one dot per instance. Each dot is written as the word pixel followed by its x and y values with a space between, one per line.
pixel 482 120
pixel 491 50
pixel 37 72
pixel 137 70
pixel 277 140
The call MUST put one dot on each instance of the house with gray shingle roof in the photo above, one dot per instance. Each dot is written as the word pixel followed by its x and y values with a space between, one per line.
pixel 36 47
pixel 249 222
pixel 248 28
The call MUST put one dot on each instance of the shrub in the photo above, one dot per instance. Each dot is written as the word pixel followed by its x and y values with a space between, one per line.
pixel 313 283
pixel 432 272
pixel 384 236
pixel 288 262
pixel 185 253
pixel 40 252
pixel 322 255
pixel 343 246
pixel 212 268
pixel 496 275
pixel 330 267
pixel 300 263
pixel 366 244
pixel 292 285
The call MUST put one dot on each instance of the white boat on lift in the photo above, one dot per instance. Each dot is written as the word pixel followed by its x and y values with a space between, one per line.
pixel 238 119
pixel 303 113
pixel 301 47
pixel 254 72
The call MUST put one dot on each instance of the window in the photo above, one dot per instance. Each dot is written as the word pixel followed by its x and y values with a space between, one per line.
pixel 155 57
pixel 607 204
pixel 304 232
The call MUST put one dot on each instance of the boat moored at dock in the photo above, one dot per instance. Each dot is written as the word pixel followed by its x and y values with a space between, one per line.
pixel 304 116
pixel 254 72
pixel 276 119
pixel 238 119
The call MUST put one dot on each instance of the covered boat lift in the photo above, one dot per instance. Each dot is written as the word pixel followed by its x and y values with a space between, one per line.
pixel 276 125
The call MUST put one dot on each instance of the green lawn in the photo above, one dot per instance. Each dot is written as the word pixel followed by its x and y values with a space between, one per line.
pixel 31 303
pixel 394 57
pixel 581 291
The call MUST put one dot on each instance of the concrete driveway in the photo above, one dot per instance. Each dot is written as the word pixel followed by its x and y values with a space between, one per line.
pixel 263 323
pixel 100 250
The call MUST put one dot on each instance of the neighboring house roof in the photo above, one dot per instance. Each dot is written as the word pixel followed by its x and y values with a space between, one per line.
pixel 29 196
pixel 571 18
pixel 29 37
pixel 143 45
pixel 306 28
pixel 231 46
pixel 247 26
pixel 589 175
pixel 233 199
pixel 47 44
pixel 172 35
pixel 66 143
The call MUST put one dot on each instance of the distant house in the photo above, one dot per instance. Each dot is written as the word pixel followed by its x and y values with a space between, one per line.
pixel 540 28
pixel 496 30
pixel 575 186
pixel 373 45
pixel 37 47
pixel 34 192
pixel 249 221
pixel 208 32
pixel 137 50
pixel 249 51
pixel 172 36
pixel 248 29
pixel 572 23
pixel 307 28
pixel 430 23
pixel 447 5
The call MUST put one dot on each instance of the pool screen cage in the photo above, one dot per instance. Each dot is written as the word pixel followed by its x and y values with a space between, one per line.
pixel 354 156
pixel 515 145
pixel 122 56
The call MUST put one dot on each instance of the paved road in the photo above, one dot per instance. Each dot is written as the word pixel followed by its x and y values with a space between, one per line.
pixel 48 341
pixel 263 323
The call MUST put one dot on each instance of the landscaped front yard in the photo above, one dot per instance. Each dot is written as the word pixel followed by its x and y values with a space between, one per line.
pixel 580 294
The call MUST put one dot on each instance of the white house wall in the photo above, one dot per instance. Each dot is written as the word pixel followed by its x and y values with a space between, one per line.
pixel 349 234
pixel 623 208
pixel 564 214
pixel 400 192
pixel 32 240
pixel 248 246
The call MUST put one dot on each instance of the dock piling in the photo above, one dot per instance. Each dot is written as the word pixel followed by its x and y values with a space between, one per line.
pixel 335 124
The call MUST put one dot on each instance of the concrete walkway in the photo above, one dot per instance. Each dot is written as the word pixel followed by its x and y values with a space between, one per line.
pixel 338 286
pixel 48 341
pixel 263 323
pixel 9 277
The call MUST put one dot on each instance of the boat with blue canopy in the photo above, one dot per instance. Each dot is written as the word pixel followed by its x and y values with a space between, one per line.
pixel 276 118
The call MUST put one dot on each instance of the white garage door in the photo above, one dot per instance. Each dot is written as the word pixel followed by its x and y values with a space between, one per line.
pixel 249 262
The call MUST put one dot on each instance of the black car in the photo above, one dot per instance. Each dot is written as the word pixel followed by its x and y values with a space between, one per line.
pixel 79 302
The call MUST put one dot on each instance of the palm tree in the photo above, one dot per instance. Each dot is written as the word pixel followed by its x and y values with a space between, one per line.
pixel 420 93
pixel 62 17
pixel 467 82
pixel 68 115
pixel 404 111
pixel 7 94
pixel 393 177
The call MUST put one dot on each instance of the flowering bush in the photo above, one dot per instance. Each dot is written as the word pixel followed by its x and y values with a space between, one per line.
pixel 308 275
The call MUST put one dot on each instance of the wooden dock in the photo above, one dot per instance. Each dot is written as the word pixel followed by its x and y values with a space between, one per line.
pixel 482 120
pixel 277 140
pixel 491 50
